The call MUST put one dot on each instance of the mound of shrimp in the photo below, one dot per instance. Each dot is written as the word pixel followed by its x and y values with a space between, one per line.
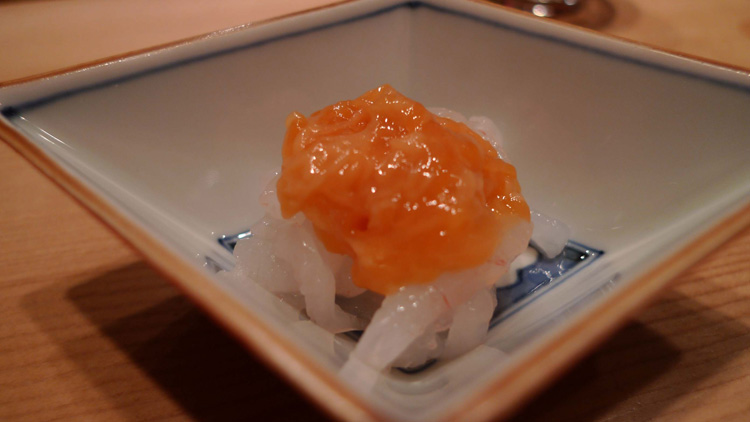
pixel 380 197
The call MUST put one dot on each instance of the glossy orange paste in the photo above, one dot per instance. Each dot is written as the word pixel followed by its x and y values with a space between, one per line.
pixel 407 194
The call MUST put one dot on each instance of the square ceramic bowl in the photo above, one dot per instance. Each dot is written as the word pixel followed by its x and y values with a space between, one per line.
pixel 643 154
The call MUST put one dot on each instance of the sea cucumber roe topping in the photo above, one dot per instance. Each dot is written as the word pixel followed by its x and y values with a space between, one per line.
pixel 405 193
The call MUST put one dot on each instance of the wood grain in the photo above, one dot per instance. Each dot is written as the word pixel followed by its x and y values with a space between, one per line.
pixel 90 332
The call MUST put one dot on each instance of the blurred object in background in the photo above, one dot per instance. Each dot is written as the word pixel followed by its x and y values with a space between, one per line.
pixel 545 8
pixel 594 14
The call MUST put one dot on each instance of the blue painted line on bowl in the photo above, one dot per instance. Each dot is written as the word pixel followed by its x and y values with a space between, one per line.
pixel 530 289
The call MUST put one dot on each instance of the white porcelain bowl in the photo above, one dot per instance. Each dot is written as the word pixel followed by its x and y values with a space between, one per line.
pixel 643 154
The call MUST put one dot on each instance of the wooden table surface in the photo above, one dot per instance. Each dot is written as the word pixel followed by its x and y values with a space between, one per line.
pixel 90 332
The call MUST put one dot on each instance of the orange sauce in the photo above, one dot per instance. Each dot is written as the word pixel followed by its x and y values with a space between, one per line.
pixel 407 194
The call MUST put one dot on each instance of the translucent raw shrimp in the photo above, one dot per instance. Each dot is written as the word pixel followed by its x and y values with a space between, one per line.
pixel 284 256
pixel 378 194
pixel 408 314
